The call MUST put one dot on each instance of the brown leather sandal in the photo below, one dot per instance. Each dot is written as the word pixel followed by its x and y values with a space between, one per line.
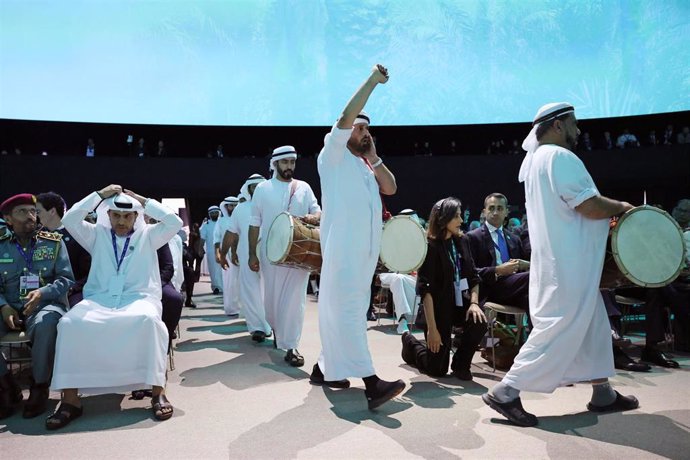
pixel 63 416
pixel 158 404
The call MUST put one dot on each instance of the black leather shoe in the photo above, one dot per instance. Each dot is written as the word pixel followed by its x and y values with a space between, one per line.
pixel 512 410
pixel 406 355
pixel 294 358
pixel 216 291
pixel 317 378
pixel 463 374
pixel 38 400
pixel 10 395
pixel 190 305
pixel 624 362
pixel 652 355
pixel 385 392
pixel 371 316
pixel 258 336
pixel 620 404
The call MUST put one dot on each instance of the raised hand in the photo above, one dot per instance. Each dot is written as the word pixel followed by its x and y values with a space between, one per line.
pixel 380 73
pixel 139 198
pixel 110 190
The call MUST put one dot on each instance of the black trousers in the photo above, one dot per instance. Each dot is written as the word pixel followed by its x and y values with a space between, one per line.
pixel 676 296
pixel 189 280
pixel 172 309
pixel 510 290
pixel 417 354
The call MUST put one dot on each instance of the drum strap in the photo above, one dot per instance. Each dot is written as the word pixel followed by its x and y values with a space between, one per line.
pixel 293 188
pixel 386 215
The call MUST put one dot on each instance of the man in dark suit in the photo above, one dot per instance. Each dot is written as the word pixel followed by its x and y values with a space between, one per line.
pixel 500 257
pixel 50 207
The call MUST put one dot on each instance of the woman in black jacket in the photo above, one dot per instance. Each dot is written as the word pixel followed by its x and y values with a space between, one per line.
pixel 448 284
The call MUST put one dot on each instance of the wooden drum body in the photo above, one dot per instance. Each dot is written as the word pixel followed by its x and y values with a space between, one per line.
pixel 292 243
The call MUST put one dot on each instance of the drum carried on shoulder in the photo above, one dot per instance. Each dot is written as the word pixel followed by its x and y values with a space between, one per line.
pixel 292 243
pixel 645 248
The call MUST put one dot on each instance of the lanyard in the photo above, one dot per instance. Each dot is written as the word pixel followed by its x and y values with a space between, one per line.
pixel 28 258
pixel 124 249
pixel 455 260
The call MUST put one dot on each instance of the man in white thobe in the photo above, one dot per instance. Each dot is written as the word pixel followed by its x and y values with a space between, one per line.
pixel 206 233
pixel 231 305
pixel 236 240
pixel 285 288
pixel 569 221
pixel 352 179
pixel 114 339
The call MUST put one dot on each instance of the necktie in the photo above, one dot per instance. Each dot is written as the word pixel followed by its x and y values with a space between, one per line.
pixel 502 246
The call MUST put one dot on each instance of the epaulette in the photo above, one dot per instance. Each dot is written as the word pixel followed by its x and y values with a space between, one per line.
pixel 52 236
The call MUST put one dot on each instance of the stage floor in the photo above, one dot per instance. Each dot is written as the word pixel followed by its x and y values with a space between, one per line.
pixel 234 398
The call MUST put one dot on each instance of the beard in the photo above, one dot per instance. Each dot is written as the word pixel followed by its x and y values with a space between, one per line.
pixel 362 147
pixel 571 142
pixel 287 174
pixel 214 218
pixel 27 227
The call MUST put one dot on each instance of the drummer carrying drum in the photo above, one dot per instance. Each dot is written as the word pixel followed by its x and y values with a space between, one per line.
pixel 570 340
pixel 285 288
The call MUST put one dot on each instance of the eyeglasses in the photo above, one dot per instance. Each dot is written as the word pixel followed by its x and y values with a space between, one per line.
pixel 25 211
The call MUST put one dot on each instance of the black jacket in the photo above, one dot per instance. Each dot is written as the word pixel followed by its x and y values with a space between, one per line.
pixel 484 251
pixel 436 277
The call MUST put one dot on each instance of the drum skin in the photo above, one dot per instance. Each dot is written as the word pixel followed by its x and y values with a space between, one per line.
pixel 645 248
pixel 292 243
pixel 403 245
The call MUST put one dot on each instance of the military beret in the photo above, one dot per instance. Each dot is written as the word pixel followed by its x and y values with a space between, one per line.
pixel 17 200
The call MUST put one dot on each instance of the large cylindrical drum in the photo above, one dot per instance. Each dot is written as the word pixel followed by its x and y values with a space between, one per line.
pixel 292 243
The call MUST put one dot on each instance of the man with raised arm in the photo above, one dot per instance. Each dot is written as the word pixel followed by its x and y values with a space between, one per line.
pixel 114 341
pixel 352 179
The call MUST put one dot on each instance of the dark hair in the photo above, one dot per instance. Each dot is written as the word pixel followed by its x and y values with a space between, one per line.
pixel 443 212
pixel 545 126
pixel 499 196
pixel 50 200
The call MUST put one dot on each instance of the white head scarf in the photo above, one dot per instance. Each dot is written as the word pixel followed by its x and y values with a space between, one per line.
pixel 363 117
pixel 213 208
pixel 121 203
pixel 253 179
pixel 530 144
pixel 286 152
pixel 226 201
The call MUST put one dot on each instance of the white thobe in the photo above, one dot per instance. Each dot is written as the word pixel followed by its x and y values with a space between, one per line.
pixel 230 276
pixel 250 290
pixel 285 288
pixel 351 226
pixel 113 343
pixel 175 246
pixel 403 288
pixel 571 338
pixel 207 231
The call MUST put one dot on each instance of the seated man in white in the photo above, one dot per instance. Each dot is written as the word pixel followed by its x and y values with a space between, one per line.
pixel 403 289
pixel 114 340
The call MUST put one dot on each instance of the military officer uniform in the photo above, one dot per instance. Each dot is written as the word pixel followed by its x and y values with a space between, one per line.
pixel 43 265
